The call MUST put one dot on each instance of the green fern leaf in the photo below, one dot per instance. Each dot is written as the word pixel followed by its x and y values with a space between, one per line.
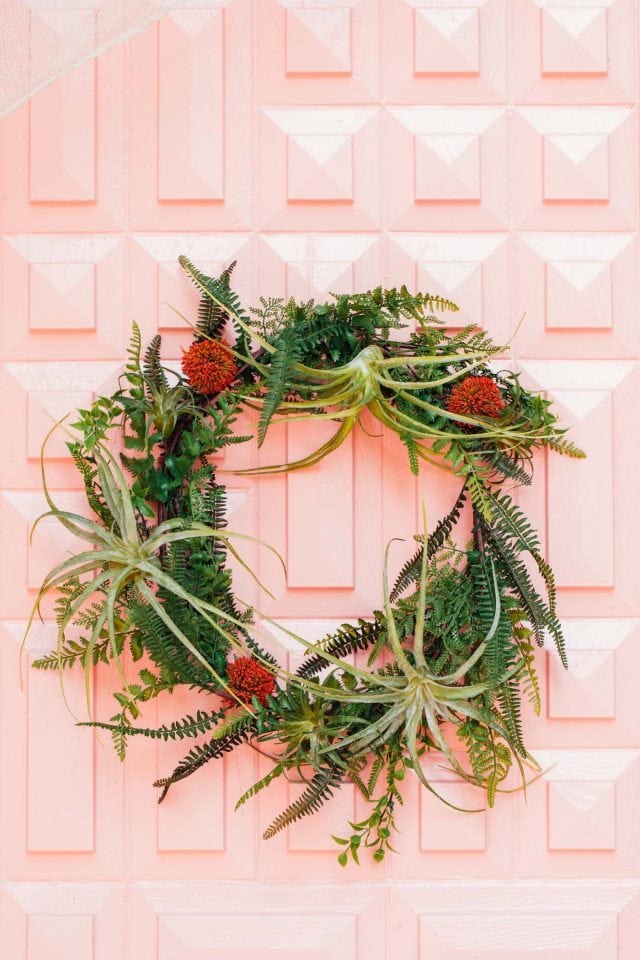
pixel 347 639
pixel 152 366
pixel 287 353
pixel 237 733
pixel 255 788
pixel 410 572
pixel 320 789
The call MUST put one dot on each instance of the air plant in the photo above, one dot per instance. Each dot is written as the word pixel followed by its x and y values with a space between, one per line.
pixel 402 390
pixel 414 699
pixel 301 726
pixel 124 563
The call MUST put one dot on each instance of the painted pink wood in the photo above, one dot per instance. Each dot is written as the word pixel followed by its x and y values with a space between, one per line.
pixel 485 150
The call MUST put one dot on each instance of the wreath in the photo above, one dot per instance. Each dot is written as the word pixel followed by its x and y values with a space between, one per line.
pixel 449 658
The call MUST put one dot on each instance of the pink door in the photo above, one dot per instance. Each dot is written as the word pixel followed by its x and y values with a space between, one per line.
pixel 480 149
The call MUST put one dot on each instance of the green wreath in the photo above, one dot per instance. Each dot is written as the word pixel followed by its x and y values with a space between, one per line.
pixel 454 642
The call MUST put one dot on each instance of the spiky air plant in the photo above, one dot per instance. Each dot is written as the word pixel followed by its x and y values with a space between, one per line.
pixel 404 388
pixel 123 564
pixel 297 733
pixel 414 701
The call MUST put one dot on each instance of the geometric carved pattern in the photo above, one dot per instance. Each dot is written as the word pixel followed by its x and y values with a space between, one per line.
pixel 209 920
pixel 62 296
pixel 316 265
pixel 574 52
pixel 582 804
pixel 583 390
pixel 589 690
pixel 439 51
pixel 320 152
pixel 462 267
pixel 578 294
pixel 62 921
pixel 68 176
pixel 585 158
pixel 453 159
pixel 440 826
pixel 327 567
pixel 319 167
pixel 514 919
pixel 582 816
pixel 318 41
pixel 54 541
pixel 63 285
pixel 158 255
pixel 447 150
pixel 578 286
pixel 62 281
pixel 60 938
pixel 311 52
pixel 576 167
pixel 191 106
pixel 574 40
pixel 38 395
pixel 447 167
pixel 188 115
pixel 447 40
pixel 63 166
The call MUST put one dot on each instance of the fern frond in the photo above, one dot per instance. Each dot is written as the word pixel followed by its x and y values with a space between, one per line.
pixel 515 574
pixel 320 789
pixel 288 352
pixel 133 369
pixel 255 788
pixel 72 652
pixel 211 318
pixel 236 733
pixel 511 468
pixel 119 740
pixel 410 572
pixel 374 776
pixel 566 447
pixel 490 759
pixel 530 681
pixel 220 293
pixel 412 450
pixel 477 485
pixel 347 639
pixel 514 524
pixel 436 302
pixel 189 727
pixel 354 768
pixel 89 476
pixel 152 365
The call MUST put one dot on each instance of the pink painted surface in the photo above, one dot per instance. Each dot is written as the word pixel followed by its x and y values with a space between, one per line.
pixel 484 150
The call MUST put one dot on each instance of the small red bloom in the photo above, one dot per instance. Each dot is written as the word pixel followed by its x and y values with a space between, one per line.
pixel 208 366
pixel 475 397
pixel 248 678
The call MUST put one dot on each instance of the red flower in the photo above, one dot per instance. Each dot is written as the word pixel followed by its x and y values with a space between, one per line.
pixel 208 366
pixel 248 678
pixel 475 397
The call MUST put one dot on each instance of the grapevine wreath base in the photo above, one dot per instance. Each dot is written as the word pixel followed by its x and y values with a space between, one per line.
pixel 450 655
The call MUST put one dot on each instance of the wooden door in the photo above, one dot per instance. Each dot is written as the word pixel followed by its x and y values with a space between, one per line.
pixel 480 149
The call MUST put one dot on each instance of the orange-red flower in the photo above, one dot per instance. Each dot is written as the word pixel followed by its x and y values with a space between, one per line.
pixel 475 397
pixel 208 366
pixel 247 678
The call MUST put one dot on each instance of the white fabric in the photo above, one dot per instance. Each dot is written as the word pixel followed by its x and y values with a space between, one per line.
pixel 42 39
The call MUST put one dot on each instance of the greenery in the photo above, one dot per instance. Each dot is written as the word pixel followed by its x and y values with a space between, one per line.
pixel 333 361
pixel 450 654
